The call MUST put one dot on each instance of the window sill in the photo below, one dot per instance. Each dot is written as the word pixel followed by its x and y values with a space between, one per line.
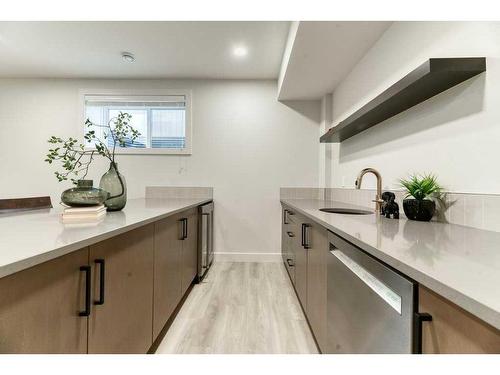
pixel 151 151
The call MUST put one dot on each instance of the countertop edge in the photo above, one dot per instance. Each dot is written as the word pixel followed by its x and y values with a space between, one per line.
pixel 467 303
pixel 32 261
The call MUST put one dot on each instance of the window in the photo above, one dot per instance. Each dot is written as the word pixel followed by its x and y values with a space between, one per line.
pixel 162 118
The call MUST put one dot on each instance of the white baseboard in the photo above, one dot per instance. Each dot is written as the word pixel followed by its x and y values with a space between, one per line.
pixel 248 257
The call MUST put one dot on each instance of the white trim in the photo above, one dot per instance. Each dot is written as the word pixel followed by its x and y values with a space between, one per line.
pixel 248 257
pixel 188 150
pixel 136 98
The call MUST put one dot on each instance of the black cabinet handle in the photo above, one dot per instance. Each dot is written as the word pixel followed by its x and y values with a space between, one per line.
pixel 102 278
pixel 419 318
pixel 289 262
pixel 290 234
pixel 87 271
pixel 304 242
pixel 285 216
pixel 184 228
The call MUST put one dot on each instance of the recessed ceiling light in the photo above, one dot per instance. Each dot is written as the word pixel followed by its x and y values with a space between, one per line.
pixel 128 57
pixel 240 51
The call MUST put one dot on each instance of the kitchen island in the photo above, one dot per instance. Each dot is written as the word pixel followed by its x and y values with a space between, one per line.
pixel 30 238
pixel 107 287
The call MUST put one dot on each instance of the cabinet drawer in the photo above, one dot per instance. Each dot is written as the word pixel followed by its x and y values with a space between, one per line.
pixel 289 254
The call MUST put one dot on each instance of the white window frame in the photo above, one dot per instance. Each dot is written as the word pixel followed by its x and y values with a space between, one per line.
pixel 188 150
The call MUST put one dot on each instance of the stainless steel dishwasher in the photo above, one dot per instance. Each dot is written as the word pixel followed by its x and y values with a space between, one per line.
pixel 205 239
pixel 370 307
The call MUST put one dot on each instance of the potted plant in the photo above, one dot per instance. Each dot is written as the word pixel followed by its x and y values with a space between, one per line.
pixel 421 193
pixel 75 159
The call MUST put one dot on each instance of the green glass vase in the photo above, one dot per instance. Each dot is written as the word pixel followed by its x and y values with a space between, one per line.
pixel 113 182
pixel 84 194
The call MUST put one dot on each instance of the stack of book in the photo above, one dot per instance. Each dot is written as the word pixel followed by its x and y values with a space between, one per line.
pixel 91 214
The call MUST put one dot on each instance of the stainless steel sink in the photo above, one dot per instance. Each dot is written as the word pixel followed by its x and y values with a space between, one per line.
pixel 346 211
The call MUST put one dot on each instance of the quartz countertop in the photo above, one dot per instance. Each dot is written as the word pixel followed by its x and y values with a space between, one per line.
pixel 460 263
pixel 34 237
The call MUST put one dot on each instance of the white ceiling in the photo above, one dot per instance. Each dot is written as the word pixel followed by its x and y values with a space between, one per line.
pixel 323 53
pixel 162 49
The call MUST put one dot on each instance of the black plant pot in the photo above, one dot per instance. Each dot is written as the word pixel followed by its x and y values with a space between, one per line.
pixel 420 210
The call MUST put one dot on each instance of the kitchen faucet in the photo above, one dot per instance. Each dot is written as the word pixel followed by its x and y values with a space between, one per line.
pixel 378 198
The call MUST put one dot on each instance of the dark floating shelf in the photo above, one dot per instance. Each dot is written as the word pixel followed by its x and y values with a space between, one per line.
pixel 429 79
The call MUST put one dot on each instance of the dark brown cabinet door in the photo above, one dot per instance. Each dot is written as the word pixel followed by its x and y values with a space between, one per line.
pixel 189 249
pixel 453 330
pixel 168 267
pixel 123 323
pixel 284 235
pixel 300 262
pixel 316 282
pixel 287 239
pixel 39 307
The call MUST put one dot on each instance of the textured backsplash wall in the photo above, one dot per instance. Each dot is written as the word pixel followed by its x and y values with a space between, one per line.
pixel 480 211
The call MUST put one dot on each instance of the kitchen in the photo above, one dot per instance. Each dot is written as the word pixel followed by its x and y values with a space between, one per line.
pixel 269 189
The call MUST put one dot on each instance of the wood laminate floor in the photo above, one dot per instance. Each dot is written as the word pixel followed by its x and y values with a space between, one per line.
pixel 240 308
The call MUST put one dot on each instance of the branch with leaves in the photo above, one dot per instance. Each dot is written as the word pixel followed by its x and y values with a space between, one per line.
pixel 75 158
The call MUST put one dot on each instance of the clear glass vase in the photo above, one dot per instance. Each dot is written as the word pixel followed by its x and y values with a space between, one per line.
pixel 114 183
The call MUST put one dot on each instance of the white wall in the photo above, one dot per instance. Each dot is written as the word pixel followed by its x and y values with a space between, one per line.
pixel 245 144
pixel 325 149
pixel 455 134
pixel 292 32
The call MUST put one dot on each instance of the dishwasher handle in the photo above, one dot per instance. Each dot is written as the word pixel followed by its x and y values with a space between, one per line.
pixel 371 281
pixel 208 216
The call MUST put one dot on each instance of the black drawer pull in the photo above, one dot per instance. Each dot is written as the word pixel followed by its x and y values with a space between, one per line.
pixel 419 318
pixel 87 271
pixel 285 217
pixel 185 229
pixel 290 234
pixel 305 243
pixel 289 262
pixel 102 278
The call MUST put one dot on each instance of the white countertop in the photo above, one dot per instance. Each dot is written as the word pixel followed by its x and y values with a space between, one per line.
pixel 460 263
pixel 30 238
